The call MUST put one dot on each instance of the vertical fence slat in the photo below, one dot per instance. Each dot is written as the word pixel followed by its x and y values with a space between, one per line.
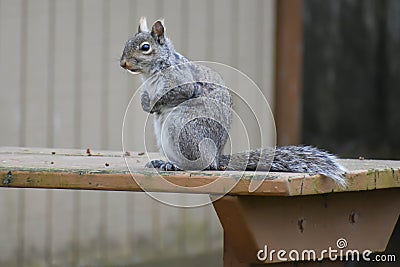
pixel 132 20
pixel 23 67
pixel 221 33
pixel 116 243
pixel 182 229
pixel 173 23
pixel 22 136
pixel 11 116
pixel 119 30
pixel 79 99
pixel 76 227
pixel 89 239
pixel 210 30
pixel 49 227
pixel 50 73
pixel 91 65
pixel 9 217
pixel 65 80
pixel 33 82
pixel 102 248
pixel 10 56
pixel 196 31
pixel 20 255
pixel 34 227
pixel 105 76
pixel 130 224
pixel 156 227
pixel 62 230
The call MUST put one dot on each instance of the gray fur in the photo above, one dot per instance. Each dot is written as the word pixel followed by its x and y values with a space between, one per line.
pixel 301 159
pixel 192 114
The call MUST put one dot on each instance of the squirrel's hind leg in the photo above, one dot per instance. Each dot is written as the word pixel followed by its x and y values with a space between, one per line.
pixel 163 165
pixel 213 166
pixel 169 166
pixel 156 163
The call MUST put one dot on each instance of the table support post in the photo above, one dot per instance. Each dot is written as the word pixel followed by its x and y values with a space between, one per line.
pixel 360 220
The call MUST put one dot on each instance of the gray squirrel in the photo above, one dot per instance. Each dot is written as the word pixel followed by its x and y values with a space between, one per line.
pixel 192 114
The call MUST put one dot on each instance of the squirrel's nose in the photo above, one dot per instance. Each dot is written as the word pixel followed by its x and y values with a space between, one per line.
pixel 123 63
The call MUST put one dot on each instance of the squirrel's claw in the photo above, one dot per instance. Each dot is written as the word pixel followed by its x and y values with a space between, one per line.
pixel 168 166
pixel 155 163
pixel 160 164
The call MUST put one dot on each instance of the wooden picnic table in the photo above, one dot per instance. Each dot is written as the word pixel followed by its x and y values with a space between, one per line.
pixel 289 211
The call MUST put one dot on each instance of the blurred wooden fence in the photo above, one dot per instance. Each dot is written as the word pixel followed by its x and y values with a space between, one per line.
pixel 352 76
pixel 61 86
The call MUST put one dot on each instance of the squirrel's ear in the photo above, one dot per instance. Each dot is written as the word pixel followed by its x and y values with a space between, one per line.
pixel 143 25
pixel 157 31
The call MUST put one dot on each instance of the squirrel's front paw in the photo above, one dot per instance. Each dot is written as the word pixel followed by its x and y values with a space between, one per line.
pixel 145 101
pixel 160 164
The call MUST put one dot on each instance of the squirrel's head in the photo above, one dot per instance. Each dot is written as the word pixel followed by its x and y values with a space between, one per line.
pixel 146 48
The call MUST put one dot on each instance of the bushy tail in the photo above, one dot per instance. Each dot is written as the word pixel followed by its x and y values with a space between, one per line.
pixel 302 159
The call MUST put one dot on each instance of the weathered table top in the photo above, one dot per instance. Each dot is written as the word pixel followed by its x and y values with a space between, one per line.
pixel 107 170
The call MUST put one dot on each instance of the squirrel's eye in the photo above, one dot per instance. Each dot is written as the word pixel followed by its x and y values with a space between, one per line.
pixel 145 47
